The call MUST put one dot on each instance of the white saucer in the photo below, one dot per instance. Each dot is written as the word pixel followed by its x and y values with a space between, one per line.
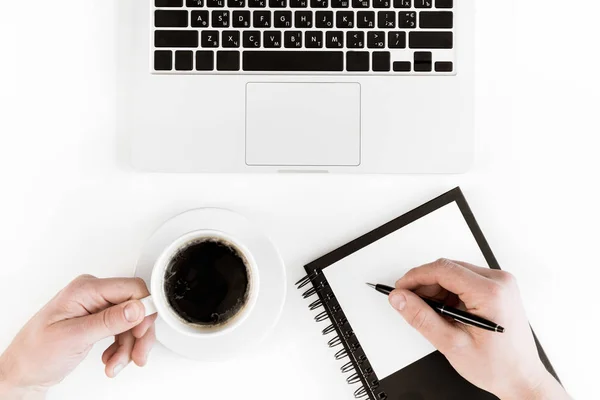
pixel 271 295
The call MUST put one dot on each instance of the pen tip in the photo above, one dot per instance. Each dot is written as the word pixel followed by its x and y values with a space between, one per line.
pixel 371 285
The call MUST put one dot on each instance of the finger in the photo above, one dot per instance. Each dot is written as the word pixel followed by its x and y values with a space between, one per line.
pixel 109 352
pixel 438 293
pixel 108 322
pixel 122 356
pixel 119 290
pixel 487 272
pixel 142 347
pixel 449 275
pixel 432 291
pixel 441 333
pixel 140 330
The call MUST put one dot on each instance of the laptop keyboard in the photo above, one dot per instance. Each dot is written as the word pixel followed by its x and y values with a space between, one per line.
pixel 353 37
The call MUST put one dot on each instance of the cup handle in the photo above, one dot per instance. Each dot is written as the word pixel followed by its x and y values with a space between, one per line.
pixel 149 306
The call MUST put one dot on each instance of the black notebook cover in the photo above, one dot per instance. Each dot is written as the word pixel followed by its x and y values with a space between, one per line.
pixel 414 382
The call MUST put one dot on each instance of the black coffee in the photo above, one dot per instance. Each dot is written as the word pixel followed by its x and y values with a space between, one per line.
pixel 206 283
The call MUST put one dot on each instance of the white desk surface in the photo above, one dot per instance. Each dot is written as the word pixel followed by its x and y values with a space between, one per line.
pixel 71 205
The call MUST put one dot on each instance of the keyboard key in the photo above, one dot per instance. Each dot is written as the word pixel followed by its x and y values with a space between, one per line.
pixel 361 3
pixel 175 38
pixel 277 3
pixel 344 19
pixel 313 39
pixel 184 60
pixel 205 60
pixel 296 61
pixel 365 19
pixel 251 39
pixel 423 61
pixel 292 39
pixel 381 61
pixel 234 4
pixel 386 19
pixel 261 19
pixel 357 61
pixel 194 3
pixel 230 39
pixel 220 19
pixel 298 3
pixel 402 3
pixel 272 39
pixel 241 19
pixel 402 66
pixel 436 19
pixel 381 3
pixel 210 39
pixel 444 66
pixel 215 3
pixel 375 40
pixel 444 3
pixel 355 39
pixel 423 3
pixel 228 60
pixel 200 19
pixel 334 40
pixel 340 4
pixel 170 19
pixel 168 3
pixel 407 20
pixel 303 19
pixel 282 19
pixel 324 19
pixel 430 40
pixel 319 3
pixel 257 3
pixel 163 60
pixel 397 40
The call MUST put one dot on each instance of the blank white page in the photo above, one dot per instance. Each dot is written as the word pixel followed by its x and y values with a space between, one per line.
pixel 388 341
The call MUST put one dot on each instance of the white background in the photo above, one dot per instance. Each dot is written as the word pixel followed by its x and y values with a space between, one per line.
pixel 70 204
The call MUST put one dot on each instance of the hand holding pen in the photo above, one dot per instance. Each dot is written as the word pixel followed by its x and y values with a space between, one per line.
pixel 454 313
pixel 478 355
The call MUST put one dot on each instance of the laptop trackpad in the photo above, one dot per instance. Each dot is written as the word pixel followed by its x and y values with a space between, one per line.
pixel 303 124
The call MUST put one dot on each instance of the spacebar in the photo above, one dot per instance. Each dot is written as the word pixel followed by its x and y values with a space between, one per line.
pixel 298 61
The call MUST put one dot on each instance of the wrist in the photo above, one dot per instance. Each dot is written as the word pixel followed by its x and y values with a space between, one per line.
pixel 10 388
pixel 549 388
pixel 543 387
pixel 10 392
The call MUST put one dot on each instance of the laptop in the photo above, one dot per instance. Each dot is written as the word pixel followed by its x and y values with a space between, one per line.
pixel 346 86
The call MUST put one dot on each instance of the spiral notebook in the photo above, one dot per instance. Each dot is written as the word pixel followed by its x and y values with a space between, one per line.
pixel 382 353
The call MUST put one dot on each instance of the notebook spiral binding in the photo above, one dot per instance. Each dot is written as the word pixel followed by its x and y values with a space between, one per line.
pixel 363 373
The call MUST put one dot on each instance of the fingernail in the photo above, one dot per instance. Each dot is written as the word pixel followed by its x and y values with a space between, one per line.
pixel 118 368
pixel 132 312
pixel 398 301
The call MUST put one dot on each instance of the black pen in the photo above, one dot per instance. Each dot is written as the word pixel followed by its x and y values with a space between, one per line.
pixel 456 314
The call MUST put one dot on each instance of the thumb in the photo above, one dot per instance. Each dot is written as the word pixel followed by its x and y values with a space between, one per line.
pixel 437 330
pixel 110 321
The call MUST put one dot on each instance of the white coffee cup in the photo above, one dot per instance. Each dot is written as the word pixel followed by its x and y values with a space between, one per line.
pixel 158 301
